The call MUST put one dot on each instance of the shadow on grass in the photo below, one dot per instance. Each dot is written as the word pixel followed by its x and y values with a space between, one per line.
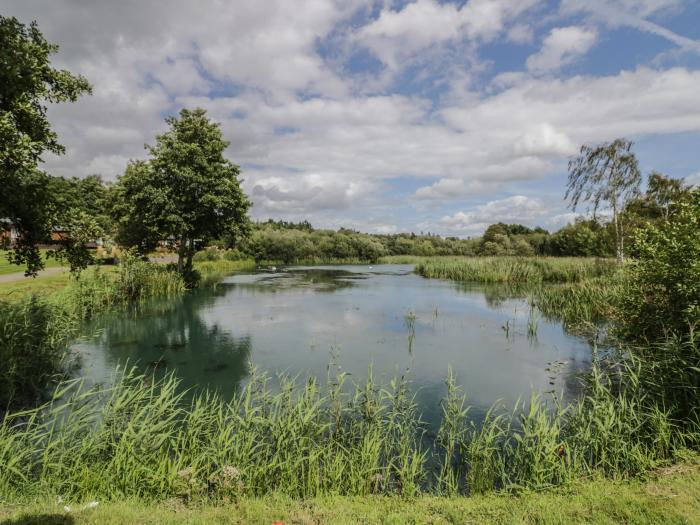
pixel 40 519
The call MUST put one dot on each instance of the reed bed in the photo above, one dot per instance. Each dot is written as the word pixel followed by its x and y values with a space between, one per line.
pixel 583 306
pixel 530 270
pixel 147 439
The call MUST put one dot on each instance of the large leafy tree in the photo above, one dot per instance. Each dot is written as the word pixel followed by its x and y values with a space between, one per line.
pixel 27 84
pixel 187 191
pixel 605 174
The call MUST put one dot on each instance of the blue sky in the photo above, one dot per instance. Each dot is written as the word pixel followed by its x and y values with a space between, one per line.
pixel 386 116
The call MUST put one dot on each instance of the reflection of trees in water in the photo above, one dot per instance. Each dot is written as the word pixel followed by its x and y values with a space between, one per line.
pixel 162 339
pixel 319 280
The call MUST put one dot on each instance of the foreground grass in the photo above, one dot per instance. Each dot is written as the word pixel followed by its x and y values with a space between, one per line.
pixel 668 496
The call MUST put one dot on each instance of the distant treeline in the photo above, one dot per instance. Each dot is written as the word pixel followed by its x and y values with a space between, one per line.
pixel 295 242
pixel 291 242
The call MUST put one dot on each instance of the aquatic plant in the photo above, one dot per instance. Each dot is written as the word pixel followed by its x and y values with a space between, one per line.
pixel 144 438
pixel 531 270
pixel 410 322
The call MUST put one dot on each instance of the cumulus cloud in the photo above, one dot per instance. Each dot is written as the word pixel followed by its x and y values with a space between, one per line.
pixel 282 79
pixel 516 209
pixel 562 46
pixel 398 34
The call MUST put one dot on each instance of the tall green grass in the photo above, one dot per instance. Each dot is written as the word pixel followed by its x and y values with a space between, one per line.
pixel 146 439
pixel 583 307
pixel 33 339
pixel 531 270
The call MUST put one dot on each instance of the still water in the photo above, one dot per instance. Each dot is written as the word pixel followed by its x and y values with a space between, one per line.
pixel 300 319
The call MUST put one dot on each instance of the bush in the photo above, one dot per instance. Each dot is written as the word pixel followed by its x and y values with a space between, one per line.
pixel 209 254
pixel 662 292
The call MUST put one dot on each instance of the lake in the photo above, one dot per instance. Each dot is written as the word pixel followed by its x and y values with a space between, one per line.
pixel 301 320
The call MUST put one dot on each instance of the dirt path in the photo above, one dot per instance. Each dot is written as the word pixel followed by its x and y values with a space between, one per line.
pixel 9 277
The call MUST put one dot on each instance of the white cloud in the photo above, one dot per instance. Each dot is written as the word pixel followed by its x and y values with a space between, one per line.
pixel 693 179
pixel 516 209
pixel 396 35
pixel 562 46
pixel 316 145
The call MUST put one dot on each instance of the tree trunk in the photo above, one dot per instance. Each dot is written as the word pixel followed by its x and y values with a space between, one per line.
pixel 181 253
pixel 190 254
pixel 619 241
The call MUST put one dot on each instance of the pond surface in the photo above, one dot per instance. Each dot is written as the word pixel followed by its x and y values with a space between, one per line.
pixel 300 319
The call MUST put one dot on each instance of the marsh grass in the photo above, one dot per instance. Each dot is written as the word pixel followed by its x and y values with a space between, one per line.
pixel 147 439
pixel 529 270
pixel 33 337
pixel 583 307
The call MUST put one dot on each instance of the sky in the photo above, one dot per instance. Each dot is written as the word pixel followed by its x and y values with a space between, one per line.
pixel 384 116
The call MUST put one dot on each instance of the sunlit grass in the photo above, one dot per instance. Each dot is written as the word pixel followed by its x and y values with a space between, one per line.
pixel 145 439
pixel 7 268
pixel 530 270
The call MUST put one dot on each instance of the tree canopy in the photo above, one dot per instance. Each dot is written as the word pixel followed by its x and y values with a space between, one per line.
pixel 27 84
pixel 186 191
pixel 605 174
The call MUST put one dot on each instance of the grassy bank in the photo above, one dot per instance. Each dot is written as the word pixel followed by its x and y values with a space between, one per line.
pixel 667 496
pixel 514 270
pixel 147 440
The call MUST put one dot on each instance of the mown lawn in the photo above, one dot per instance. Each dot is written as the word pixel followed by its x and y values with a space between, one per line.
pixel 7 268
pixel 668 496
pixel 41 285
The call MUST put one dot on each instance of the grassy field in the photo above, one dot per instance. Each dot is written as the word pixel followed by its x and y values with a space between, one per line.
pixel 7 268
pixel 667 496
pixel 41 285
pixel 47 284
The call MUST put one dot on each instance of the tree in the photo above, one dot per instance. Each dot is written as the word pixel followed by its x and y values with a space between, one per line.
pixel 606 173
pixel 27 83
pixel 665 192
pixel 662 292
pixel 187 191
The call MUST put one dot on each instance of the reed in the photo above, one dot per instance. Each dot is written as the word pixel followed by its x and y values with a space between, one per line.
pixel 33 338
pixel 531 270
pixel 146 439
pixel 583 306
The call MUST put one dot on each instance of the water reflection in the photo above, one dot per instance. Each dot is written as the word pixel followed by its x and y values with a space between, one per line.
pixel 386 317
pixel 170 335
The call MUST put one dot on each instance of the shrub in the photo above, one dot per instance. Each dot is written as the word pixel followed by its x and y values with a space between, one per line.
pixel 662 289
